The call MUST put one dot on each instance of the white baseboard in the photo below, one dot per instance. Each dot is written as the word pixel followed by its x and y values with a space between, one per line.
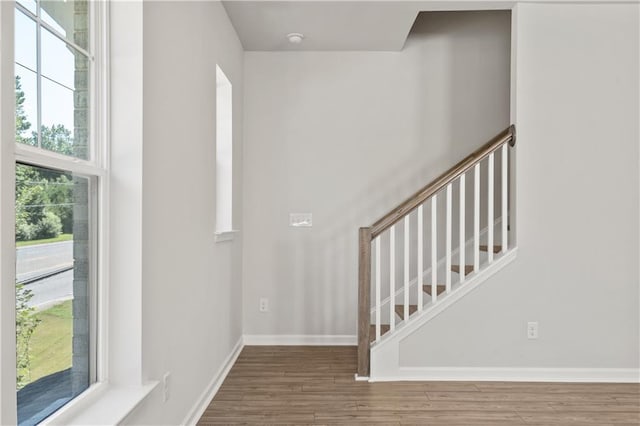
pixel 207 396
pixel 500 374
pixel 300 340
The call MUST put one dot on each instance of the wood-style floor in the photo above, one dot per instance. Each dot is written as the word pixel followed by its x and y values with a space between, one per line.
pixel 315 385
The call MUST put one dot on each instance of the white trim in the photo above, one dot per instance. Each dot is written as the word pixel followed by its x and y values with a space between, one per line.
pixel 300 340
pixel 221 236
pixel 102 403
pixel 515 374
pixel 39 157
pixel 121 307
pixel 207 396
pixel 101 156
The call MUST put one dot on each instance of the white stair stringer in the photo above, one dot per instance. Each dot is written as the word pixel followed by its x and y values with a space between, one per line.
pixel 385 354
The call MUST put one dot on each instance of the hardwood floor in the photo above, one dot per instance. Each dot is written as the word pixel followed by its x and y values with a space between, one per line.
pixel 315 385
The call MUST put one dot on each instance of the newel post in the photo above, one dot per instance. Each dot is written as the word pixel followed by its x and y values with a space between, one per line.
pixel 364 300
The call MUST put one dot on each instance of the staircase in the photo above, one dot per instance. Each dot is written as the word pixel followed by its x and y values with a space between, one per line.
pixel 432 250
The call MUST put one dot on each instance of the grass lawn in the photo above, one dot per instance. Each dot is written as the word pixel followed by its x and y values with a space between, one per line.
pixel 51 341
pixel 59 238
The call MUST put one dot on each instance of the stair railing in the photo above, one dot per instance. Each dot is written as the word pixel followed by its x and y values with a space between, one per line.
pixel 370 236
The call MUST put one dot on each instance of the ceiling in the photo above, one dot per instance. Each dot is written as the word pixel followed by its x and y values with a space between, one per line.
pixel 335 25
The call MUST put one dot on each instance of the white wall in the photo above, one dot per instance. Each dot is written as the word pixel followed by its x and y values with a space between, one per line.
pixel 347 136
pixel 191 292
pixel 577 202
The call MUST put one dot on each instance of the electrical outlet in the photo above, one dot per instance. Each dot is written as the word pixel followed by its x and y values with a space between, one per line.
pixel 166 386
pixel 264 304
pixel 532 330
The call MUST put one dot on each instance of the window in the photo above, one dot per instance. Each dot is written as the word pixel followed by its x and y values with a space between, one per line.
pixel 59 172
pixel 224 155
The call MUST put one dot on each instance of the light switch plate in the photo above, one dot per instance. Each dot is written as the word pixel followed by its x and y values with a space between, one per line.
pixel 300 219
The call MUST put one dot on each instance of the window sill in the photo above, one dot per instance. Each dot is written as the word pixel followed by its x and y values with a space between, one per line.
pixel 102 403
pixel 222 236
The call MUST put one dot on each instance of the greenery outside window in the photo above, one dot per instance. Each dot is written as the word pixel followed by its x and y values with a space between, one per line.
pixel 59 179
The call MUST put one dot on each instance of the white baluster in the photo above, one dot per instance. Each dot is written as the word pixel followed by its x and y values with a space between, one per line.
pixel 434 249
pixel 448 241
pixel 406 268
pixel 378 282
pixel 505 197
pixel 392 278
pixel 490 218
pixel 462 243
pixel 420 280
pixel 476 218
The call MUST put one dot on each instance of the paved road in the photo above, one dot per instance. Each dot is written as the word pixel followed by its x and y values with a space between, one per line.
pixel 52 290
pixel 37 260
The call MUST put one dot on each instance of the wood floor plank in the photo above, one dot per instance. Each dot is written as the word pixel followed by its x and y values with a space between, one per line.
pixel 625 388
pixel 601 407
pixel 453 406
pixel 519 396
pixel 462 417
pixel 315 385
pixel 567 418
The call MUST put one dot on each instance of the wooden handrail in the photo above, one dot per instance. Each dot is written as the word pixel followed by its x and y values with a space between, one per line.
pixel 506 136
pixel 367 234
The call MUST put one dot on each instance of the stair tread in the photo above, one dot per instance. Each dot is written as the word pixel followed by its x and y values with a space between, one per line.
pixel 440 288
pixel 400 310
pixel 467 269
pixel 496 248
pixel 383 329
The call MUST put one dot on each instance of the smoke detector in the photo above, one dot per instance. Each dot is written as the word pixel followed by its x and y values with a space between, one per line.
pixel 295 38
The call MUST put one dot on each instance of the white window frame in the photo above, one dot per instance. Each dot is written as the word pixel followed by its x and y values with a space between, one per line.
pixel 95 168
pixel 120 384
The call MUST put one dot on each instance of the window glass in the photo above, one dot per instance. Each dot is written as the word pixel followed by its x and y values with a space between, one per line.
pixel 26 82
pixel 69 18
pixel 57 60
pixel 30 5
pixel 65 85
pixel 26 86
pixel 52 290
pixel 55 253
pixel 25 41
pixel 57 118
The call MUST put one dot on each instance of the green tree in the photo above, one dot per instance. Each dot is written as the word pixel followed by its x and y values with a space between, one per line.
pixel 43 203
pixel 31 199
pixel 56 138
pixel 22 122
pixel 26 323
pixel 60 194
pixel 40 193
pixel 43 209
pixel 26 320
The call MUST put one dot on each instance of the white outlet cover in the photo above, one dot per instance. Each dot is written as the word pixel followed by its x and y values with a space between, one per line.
pixel 300 220
pixel 264 304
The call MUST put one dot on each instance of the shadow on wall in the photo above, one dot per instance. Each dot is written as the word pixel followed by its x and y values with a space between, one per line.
pixel 452 82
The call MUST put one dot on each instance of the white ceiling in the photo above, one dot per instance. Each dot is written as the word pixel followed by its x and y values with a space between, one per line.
pixel 335 25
